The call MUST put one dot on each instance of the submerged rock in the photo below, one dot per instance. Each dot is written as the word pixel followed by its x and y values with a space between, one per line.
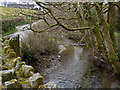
pixel 13 84
pixel 51 85
pixel 35 80
pixel 26 70
pixel 8 75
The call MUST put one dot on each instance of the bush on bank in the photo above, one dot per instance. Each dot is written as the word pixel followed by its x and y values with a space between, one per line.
pixel 9 24
pixel 38 44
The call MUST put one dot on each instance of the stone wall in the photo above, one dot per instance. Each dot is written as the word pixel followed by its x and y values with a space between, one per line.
pixel 15 73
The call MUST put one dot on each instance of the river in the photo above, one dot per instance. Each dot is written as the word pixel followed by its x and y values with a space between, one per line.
pixel 77 69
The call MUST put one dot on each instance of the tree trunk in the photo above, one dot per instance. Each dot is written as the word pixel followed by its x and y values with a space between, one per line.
pixel 105 30
pixel 112 24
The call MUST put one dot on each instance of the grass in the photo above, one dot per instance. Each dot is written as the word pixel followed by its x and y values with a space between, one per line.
pixel 7 12
pixel 9 32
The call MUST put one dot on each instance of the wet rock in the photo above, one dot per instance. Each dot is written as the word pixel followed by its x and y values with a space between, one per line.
pixel 26 70
pixel 15 61
pixel 18 65
pixel 13 84
pixel 51 85
pixel 35 80
pixel 11 55
pixel 8 75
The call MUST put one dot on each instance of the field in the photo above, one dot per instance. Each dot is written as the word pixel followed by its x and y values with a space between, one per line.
pixel 13 16
pixel 7 12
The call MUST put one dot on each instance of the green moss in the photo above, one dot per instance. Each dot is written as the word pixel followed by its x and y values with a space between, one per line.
pixel 6 42
pixel 24 82
pixel 4 68
pixel 11 55
pixel 41 86
pixel 41 80
pixel 10 50
pixel 6 48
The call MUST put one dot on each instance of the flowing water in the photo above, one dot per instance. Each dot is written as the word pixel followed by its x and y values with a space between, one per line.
pixel 78 71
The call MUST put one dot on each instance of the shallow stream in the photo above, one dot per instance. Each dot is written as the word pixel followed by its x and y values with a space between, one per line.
pixel 78 71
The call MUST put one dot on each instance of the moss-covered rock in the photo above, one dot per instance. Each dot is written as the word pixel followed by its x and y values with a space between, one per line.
pixel 26 70
pixel 8 75
pixel 36 80
pixel 51 85
pixel 14 44
pixel 18 65
pixel 15 61
pixel 13 84
pixel 6 48
pixel 41 86
pixel 4 67
pixel 11 55
pixel 10 50
pixel 6 42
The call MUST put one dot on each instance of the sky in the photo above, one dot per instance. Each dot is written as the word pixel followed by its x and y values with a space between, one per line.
pixel 17 1
pixel 10 1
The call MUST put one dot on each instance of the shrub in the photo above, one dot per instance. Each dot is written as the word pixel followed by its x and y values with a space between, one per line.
pixel 75 36
pixel 9 24
pixel 38 44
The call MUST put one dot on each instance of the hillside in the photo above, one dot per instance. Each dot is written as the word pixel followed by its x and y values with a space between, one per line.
pixel 7 12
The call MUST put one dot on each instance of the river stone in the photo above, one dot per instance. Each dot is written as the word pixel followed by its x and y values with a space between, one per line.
pixel 13 84
pixel 35 80
pixel 8 75
pixel 14 62
pixel 11 55
pixel 6 48
pixel 26 70
pixel 18 65
pixel 51 85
